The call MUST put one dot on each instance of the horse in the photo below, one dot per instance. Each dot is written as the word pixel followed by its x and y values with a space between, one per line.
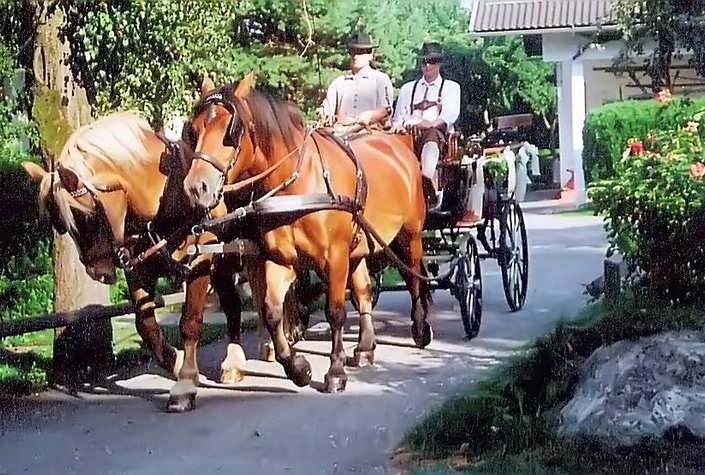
pixel 116 178
pixel 337 205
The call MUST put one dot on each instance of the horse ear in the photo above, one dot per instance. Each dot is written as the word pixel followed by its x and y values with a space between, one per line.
pixel 35 172
pixel 245 85
pixel 206 85
pixel 69 179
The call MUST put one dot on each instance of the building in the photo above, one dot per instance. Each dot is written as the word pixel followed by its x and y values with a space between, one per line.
pixel 580 37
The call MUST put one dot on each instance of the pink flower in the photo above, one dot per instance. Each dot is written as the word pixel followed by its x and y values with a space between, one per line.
pixel 692 126
pixel 664 96
pixel 697 170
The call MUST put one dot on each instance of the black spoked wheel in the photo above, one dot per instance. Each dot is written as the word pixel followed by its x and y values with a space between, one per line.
pixel 468 289
pixel 513 254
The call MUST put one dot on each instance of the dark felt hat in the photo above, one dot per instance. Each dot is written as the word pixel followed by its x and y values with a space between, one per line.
pixel 359 40
pixel 431 51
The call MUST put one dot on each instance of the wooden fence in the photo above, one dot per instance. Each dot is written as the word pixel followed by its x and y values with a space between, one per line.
pixel 61 319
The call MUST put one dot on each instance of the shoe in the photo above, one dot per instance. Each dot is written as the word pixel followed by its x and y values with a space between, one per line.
pixel 468 219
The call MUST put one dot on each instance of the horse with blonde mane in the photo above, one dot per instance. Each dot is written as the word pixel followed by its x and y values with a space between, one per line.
pixel 118 191
pixel 328 206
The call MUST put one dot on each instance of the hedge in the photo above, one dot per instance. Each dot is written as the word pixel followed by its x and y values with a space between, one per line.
pixel 608 128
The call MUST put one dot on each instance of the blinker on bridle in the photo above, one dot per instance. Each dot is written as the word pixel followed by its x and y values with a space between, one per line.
pixel 118 251
pixel 232 137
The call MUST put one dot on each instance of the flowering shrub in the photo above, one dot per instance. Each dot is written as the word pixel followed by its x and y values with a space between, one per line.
pixel 655 206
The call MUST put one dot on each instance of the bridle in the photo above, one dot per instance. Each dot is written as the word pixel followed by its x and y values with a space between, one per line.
pixel 117 250
pixel 232 138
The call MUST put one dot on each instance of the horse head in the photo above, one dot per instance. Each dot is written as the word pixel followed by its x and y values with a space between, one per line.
pixel 224 146
pixel 106 169
pixel 91 213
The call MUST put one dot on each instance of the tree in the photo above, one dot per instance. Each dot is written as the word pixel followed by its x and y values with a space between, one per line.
pixel 60 106
pixel 676 26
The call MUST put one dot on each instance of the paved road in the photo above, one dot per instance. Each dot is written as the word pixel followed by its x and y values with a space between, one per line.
pixel 266 425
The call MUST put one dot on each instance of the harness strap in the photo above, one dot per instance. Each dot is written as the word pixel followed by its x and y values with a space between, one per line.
pixel 211 160
pixel 260 176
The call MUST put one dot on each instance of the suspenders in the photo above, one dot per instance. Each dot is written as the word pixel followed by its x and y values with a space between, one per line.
pixel 423 105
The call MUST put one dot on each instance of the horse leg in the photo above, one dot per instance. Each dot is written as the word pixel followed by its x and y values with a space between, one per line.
pixel 362 289
pixel 410 249
pixel 141 286
pixel 278 280
pixel 255 276
pixel 233 366
pixel 182 396
pixel 337 271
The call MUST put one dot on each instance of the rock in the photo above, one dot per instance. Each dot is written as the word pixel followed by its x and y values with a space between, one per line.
pixel 633 389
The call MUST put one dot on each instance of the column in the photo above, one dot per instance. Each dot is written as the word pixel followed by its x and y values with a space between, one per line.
pixel 571 118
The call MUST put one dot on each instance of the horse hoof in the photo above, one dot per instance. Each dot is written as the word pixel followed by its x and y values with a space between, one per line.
pixel 425 338
pixel 299 371
pixel 334 383
pixel 231 369
pixel 231 376
pixel 182 403
pixel 363 357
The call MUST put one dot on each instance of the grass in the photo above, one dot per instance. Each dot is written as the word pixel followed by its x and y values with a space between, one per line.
pixel 507 424
pixel 25 360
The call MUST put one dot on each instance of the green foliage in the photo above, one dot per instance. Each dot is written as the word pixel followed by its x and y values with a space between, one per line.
pixel 151 56
pixel 677 26
pixel 655 208
pixel 607 129
pixel 25 254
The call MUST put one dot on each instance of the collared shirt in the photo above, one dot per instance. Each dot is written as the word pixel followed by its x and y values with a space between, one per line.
pixel 349 95
pixel 450 102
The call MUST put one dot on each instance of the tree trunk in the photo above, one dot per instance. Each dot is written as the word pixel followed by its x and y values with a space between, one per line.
pixel 83 351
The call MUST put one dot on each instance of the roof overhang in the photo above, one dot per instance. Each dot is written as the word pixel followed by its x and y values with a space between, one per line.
pixel 530 17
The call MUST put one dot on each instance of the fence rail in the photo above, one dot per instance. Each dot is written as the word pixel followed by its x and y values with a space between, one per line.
pixel 60 319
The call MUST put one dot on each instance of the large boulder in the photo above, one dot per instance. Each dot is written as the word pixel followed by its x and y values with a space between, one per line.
pixel 638 388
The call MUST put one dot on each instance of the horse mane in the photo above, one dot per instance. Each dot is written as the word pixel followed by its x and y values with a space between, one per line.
pixel 117 140
pixel 271 116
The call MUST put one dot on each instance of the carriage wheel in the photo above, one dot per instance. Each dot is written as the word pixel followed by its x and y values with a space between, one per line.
pixel 513 254
pixel 468 289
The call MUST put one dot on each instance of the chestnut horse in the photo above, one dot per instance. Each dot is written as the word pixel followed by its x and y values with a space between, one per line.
pixel 242 131
pixel 115 179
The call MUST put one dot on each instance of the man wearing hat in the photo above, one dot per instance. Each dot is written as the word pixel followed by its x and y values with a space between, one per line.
pixel 362 95
pixel 431 105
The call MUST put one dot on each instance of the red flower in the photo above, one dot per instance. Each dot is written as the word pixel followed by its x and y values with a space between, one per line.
pixel 636 148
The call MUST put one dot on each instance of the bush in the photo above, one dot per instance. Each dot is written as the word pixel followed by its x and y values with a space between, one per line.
pixel 26 285
pixel 608 128
pixel 655 208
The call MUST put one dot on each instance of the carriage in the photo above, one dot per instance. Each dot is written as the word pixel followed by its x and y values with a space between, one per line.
pixel 453 249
